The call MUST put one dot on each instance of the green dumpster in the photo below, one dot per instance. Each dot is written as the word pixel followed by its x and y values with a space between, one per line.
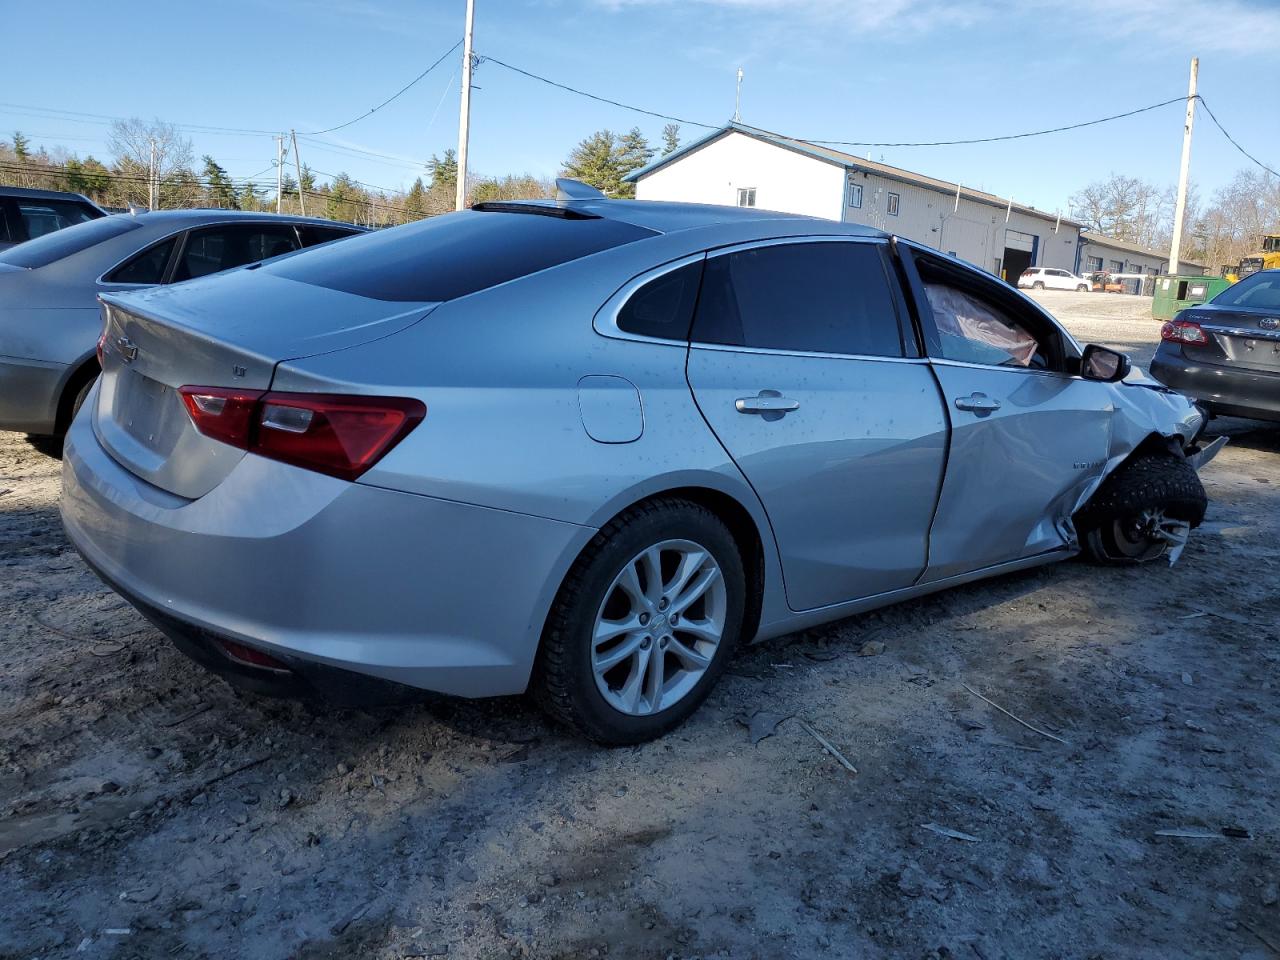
pixel 1176 293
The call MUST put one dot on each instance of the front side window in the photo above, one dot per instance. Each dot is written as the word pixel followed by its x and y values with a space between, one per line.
pixel 663 307
pixel 215 249
pixel 746 196
pixel 147 267
pixel 855 193
pixel 811 297
pixel 892 206
pixel 974 330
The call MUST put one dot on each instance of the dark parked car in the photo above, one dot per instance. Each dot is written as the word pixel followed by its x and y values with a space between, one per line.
pixel 1226 353
pixel 49 313
pixel 27 214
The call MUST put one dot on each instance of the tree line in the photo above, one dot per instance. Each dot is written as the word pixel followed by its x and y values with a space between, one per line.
pixel 143 156
pixel 1217 233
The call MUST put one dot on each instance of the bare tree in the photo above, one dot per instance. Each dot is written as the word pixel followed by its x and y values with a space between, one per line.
pixel 131 143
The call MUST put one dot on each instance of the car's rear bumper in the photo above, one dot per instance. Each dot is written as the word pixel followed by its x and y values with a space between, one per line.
pixel 29 391
pixel 1232 391
pixel 322 573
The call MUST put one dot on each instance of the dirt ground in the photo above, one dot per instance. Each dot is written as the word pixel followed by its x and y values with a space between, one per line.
pixel 148 811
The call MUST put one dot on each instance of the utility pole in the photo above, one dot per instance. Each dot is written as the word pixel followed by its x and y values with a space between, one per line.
pixel 279 170
pixel 737 100
pixel 464 115
pixel 1180 209
pixel 297 162
pixel 152 191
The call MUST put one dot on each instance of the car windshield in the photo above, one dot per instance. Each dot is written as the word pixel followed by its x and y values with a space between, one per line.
pixel 52 247
pixel 451 256
pixel 1261 290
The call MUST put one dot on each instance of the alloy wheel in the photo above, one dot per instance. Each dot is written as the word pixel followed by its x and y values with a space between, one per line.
pixel 658 627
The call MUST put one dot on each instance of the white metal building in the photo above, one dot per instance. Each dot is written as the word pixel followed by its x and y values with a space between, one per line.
pixel 1098 252
pixel 747 166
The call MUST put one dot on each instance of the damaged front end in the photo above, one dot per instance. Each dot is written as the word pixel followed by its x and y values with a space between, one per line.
pixel 1147 498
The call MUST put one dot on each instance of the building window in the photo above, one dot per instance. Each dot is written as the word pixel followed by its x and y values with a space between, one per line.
pixel 1117 266
pixel 1093 263
pixel 746 196
pixel 892 207
pixel 855 193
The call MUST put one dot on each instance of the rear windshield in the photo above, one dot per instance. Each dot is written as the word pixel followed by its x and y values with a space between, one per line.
pixel 451 256
pixel 1261 290
pixel 43 251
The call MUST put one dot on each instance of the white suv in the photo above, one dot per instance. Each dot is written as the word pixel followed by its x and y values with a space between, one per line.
pixel 1041 278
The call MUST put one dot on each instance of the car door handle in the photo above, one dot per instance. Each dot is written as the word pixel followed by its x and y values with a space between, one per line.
pixel 767 402
pixel 978 403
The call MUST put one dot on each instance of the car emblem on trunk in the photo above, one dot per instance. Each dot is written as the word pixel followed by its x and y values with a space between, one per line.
pixel 1269 323
pixel 128 349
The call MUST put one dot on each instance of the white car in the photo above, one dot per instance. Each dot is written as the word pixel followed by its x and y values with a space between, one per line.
pixel 1051 278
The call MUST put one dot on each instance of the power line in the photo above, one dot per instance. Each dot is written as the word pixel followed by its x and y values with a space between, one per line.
pixel 1010 136
pixel 80 116
pixel 369 113
pixel 1234 143
pixel 592 96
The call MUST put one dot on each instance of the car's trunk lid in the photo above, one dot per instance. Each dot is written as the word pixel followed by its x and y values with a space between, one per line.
pixel 1248 338
pixel 224 332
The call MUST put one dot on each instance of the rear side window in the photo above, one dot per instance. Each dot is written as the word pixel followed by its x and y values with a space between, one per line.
pixel 810 297
pixel 442 258
pixel 215 249
pixel 41 217
pixel 64 243
pixel 311 236
pixel 146 267
pixel 663 307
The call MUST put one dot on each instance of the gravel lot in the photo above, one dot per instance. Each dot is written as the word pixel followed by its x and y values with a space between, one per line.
pixel 148 811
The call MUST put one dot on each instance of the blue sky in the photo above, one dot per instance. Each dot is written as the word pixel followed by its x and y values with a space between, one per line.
pixel 881 70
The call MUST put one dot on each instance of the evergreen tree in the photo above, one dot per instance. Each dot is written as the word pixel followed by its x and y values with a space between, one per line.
pixel 595 161
pixel 415 203
pixel 343 193
pixel 21 146
pixel 308 179
pixel 248 199
pixel 444 171
pixel 218 190
pixel 670 138
pixel 634 152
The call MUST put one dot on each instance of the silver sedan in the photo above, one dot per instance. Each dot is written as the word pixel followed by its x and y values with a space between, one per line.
pixel 587 447
pixel 49 286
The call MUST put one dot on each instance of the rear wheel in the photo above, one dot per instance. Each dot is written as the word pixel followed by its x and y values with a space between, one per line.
pixel 1082 288
pixel 644 624
pixel 1038 285
pixel 1142 511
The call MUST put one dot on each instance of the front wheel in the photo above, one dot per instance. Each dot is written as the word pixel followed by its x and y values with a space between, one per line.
pixel 1143 511
pixel 644 623
pixel 1082 288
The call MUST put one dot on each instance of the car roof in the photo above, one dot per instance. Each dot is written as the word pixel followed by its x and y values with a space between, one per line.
pixel 43 194
pixel 199 215
pixel 665 216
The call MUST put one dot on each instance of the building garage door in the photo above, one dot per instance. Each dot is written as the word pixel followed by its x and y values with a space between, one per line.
pixel 1019 254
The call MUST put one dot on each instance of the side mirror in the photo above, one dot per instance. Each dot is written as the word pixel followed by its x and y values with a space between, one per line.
pixel 1102 364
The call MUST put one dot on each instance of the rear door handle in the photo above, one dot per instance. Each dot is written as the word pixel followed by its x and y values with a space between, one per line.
pixel 766 403
pixel 978 403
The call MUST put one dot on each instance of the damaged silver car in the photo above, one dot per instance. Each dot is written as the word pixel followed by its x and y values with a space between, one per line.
pixel 587 447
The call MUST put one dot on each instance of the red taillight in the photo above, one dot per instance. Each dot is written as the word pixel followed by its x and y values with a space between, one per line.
pixel 102 345
pixel 337 434
pixel 252 657
pixel 1184 331
pixel 1025 274
pixel 222 414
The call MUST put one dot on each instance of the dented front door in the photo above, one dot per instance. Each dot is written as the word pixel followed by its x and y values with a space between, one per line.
pixel 1025 447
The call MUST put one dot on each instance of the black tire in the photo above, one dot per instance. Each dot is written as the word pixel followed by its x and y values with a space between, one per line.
pixel 1110 524
pixel 1082 288
pixel 1038 285
pixel 563 682
pixel 81 395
